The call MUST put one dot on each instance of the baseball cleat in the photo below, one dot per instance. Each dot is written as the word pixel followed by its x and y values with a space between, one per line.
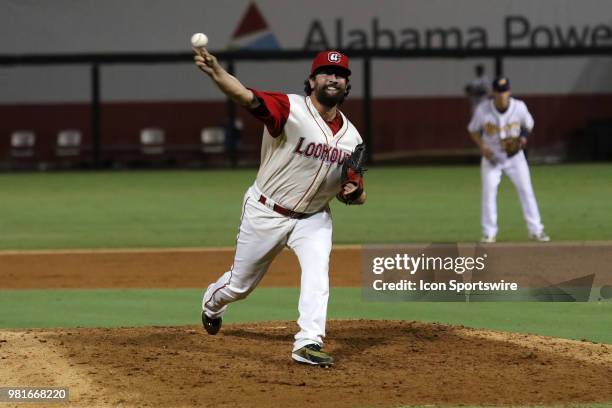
pixel 487 239
pixel 541 237
pixel 212 326
pixel 312 354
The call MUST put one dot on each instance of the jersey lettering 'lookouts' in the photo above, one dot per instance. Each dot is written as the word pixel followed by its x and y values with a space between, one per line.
pixel 305 142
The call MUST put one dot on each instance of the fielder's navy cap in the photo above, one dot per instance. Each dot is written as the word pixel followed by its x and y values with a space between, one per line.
pixel 501 84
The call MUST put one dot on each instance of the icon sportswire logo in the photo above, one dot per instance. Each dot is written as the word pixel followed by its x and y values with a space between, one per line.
pixel 253 32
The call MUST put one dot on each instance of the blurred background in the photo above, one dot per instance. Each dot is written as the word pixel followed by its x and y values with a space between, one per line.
pixel 89 84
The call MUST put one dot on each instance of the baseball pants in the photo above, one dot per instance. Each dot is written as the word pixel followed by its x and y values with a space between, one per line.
pixel 263 234
pixel 517 170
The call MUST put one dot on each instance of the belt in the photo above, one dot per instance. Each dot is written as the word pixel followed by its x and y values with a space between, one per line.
pixel 282 210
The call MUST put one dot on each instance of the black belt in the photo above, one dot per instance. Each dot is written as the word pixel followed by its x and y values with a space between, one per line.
pixel 282 210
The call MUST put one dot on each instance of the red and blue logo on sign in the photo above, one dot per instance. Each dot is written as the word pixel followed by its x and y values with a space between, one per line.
pixel 253 32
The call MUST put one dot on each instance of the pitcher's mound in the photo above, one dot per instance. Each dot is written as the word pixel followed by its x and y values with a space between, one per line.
pixel 379 364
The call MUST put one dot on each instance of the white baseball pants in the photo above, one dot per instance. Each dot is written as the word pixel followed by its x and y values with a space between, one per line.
pixel 517 170
pixel 263 234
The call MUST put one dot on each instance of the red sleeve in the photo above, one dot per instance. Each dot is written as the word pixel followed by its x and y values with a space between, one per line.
pixel 273 111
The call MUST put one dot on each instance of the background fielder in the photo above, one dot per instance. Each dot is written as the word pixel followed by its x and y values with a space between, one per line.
pixel 306 141
pixel 500 127
pixel 478 89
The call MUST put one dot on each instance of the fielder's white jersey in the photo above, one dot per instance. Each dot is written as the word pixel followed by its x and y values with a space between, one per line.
pixel 494 126
pixel 301 168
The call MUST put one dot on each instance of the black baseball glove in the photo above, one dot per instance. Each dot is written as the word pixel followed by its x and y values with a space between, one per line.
pixel 352 173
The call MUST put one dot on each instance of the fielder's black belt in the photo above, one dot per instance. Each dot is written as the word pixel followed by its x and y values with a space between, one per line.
pixel 282 210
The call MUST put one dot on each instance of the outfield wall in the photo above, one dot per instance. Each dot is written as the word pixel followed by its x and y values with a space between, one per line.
pixel 404 128
pixel 418 104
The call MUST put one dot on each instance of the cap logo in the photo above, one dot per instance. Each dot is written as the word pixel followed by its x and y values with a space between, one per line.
pixel 334 57
pixel 502 82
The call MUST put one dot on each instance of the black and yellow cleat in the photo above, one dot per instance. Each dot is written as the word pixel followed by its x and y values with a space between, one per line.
pixel 212 326
pixel 312 354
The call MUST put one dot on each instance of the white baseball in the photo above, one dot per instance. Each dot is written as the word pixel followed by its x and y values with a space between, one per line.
pixel 199 40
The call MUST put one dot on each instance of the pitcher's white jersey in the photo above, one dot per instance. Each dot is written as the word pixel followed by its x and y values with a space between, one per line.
pixel 302 155
pixel 494 126
pixel 300 167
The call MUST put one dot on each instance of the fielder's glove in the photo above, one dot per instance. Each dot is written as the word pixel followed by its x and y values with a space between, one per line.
pixel 512 145
pixel 352 172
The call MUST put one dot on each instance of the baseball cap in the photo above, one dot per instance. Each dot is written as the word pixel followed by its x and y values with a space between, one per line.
pixel 330 58
pixel 501 84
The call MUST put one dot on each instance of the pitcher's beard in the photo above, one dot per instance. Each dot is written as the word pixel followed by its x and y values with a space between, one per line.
pixel 328 100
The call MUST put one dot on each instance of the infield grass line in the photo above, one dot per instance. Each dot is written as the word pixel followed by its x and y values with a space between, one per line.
pixel 171 307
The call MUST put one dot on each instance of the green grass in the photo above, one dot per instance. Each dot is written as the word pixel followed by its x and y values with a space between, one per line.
pixel 122 209
pixel 113 308
pixel 202 208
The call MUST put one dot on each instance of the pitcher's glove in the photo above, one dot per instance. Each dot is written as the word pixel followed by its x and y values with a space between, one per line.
pixel 352 172
pixel 512 145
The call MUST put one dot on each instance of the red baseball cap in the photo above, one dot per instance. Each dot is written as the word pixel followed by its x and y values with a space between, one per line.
pixel 330 58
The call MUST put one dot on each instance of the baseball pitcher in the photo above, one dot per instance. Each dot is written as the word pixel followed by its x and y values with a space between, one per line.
pixel 310 153
pixel 500 128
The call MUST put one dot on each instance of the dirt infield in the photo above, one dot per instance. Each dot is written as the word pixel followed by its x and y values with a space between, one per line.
pixel 155 268
pixel 379 364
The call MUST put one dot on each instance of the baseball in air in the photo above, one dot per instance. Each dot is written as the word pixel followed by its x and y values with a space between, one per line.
pixel 199 40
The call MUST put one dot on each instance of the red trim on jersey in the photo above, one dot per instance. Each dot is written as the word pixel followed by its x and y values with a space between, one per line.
pixel 273 111
pixel 341 136
pixel 315 119
pixel 318 188
pixel 309 187
pixel 328 169
pixel 336 124
pixel 235 251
